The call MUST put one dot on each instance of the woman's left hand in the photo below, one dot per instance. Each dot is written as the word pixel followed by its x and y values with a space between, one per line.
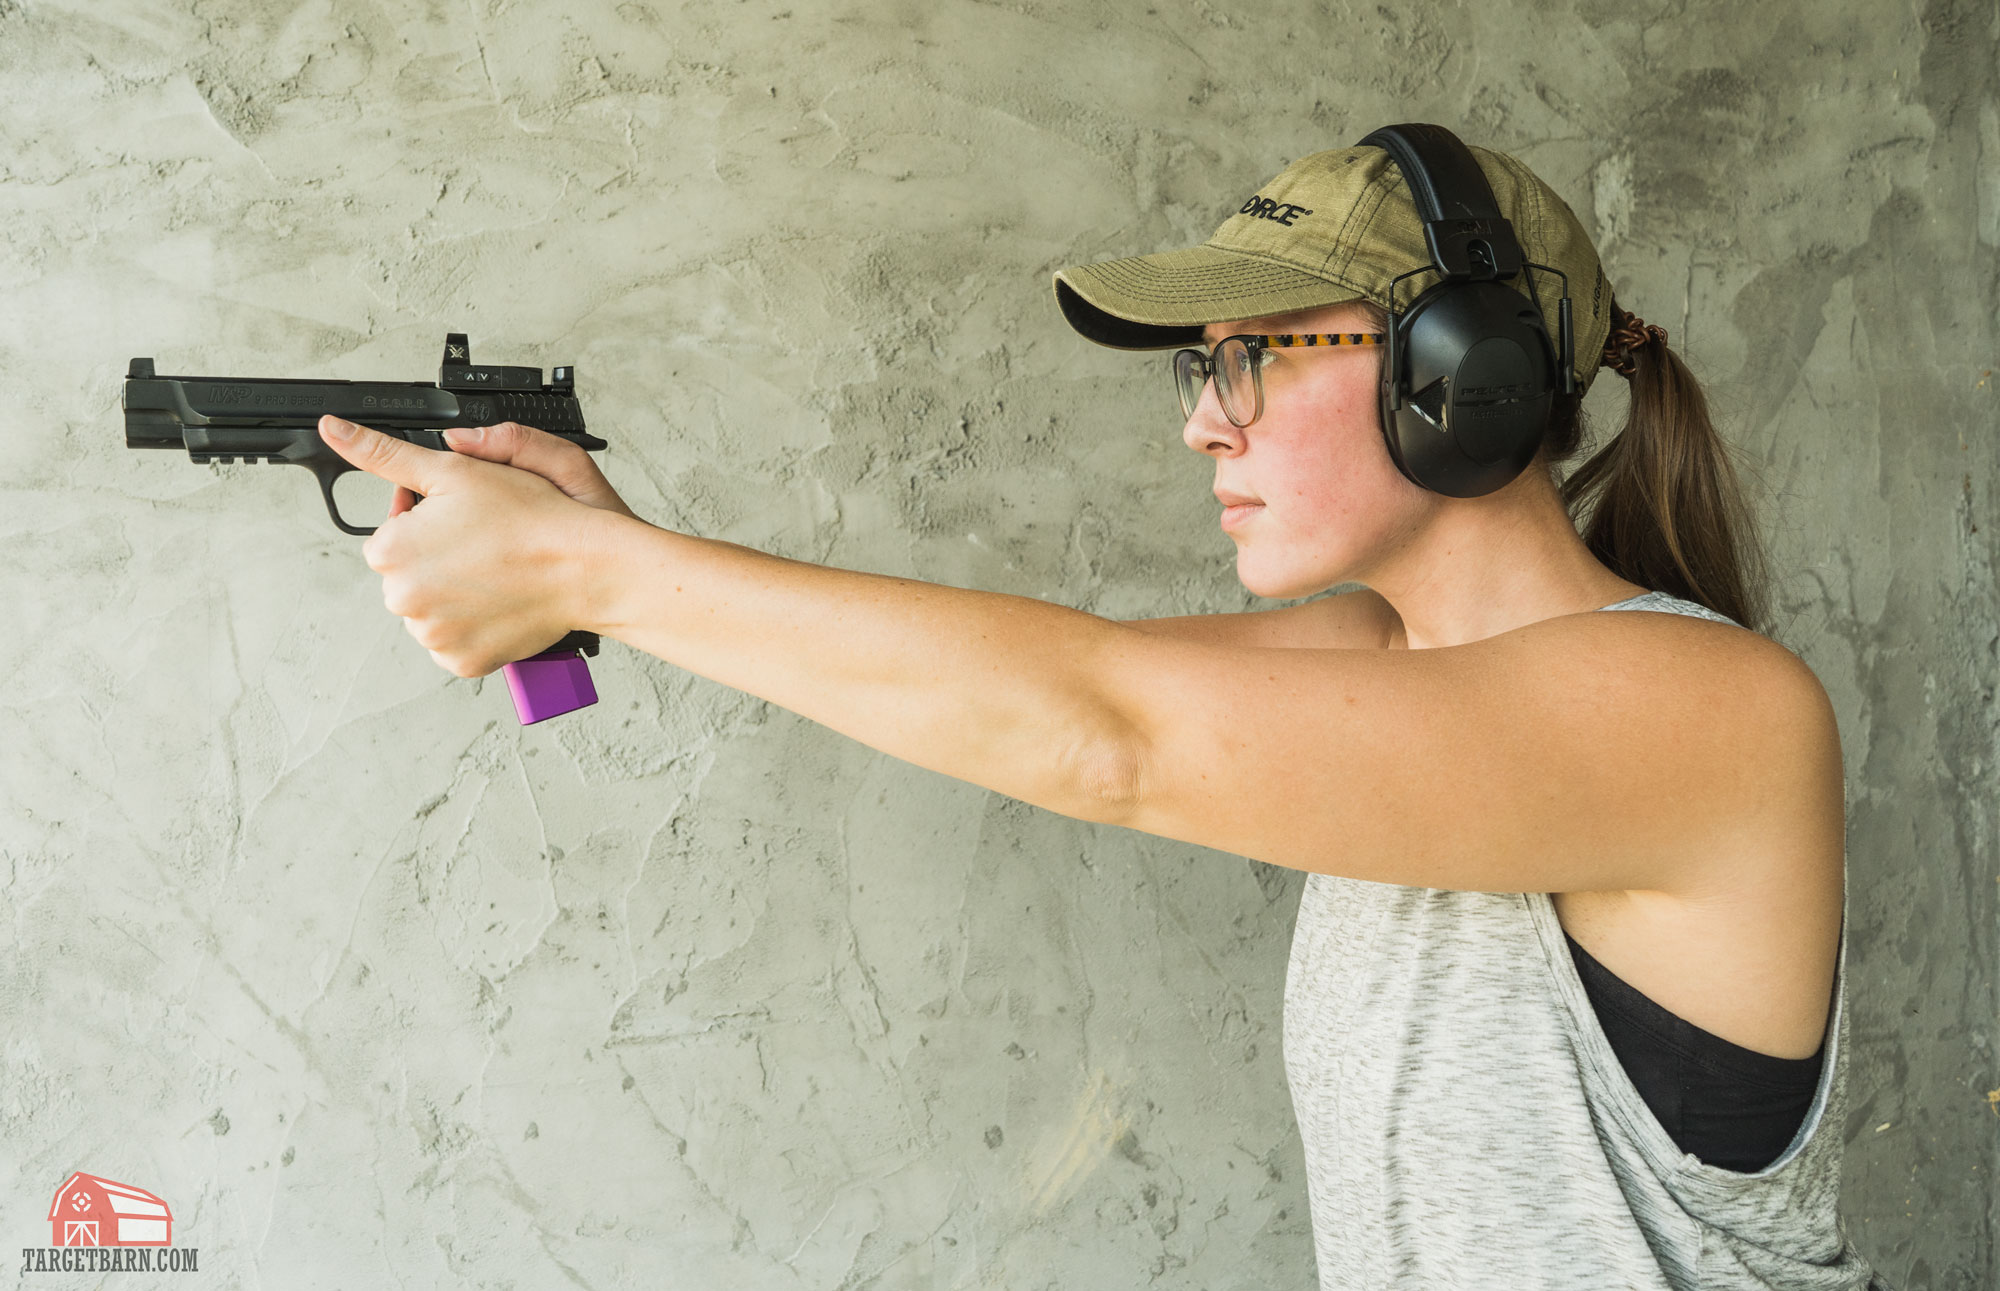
pixel 498 563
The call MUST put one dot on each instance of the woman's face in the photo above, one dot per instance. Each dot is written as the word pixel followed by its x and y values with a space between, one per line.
pixel 1328 502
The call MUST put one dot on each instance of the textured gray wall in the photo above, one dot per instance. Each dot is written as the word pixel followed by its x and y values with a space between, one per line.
pixel 378 988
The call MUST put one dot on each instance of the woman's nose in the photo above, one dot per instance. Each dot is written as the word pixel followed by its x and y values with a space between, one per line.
pixel 1209 430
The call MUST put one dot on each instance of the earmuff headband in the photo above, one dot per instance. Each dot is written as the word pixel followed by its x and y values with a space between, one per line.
pixel 1468 236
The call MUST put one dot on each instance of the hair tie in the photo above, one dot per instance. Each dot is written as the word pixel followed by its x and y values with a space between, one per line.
pixel 1628 332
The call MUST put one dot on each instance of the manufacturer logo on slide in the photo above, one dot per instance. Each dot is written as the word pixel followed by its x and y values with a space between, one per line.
pixel 98 1225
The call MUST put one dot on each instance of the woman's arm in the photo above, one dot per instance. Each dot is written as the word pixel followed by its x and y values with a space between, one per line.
pixel 887 660
pixel 1004 691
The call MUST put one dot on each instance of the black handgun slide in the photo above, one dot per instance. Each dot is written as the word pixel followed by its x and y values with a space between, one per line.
pixel 219 419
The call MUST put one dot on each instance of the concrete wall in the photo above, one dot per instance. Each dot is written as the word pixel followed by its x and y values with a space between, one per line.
pixel 378 988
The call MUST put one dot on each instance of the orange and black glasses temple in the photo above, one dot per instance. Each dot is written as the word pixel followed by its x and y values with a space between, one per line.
pixel 1323 338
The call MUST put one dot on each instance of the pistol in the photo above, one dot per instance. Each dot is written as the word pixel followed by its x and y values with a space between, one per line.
pixel 221 419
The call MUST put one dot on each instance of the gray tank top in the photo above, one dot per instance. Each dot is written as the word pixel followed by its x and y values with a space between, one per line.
pixel 1467 1124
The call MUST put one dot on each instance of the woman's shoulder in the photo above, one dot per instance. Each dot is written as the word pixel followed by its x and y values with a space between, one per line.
pixel 1759 658
pixel 1698 639
pixel 1701 668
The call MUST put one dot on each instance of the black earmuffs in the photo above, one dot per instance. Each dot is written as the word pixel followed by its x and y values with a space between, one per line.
pixel 1471 373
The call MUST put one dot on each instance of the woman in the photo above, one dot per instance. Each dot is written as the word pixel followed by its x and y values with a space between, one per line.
pixel 1564 1001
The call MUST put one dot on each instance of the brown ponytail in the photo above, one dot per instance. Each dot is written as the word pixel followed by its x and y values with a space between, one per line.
pixel 1668 514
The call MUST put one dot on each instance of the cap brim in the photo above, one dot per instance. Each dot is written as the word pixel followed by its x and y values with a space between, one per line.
pixel 1154 302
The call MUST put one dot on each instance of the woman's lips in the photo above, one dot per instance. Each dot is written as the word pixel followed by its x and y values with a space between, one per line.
pixel 1232 516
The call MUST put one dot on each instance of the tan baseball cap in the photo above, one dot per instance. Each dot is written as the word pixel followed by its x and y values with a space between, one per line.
pixel 1331 227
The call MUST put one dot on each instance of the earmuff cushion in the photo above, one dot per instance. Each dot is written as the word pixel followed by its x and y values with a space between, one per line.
pixel 1467 387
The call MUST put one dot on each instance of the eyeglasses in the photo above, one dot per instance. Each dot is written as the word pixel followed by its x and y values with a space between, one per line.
pixel 1237 364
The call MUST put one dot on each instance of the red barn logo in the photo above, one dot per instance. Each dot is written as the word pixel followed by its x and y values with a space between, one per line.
pixel 89 1211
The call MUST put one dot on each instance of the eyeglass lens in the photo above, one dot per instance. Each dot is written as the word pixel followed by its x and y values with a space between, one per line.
pixel 1237 386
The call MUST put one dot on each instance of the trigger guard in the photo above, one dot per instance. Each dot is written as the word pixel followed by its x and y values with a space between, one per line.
pixel 326 476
